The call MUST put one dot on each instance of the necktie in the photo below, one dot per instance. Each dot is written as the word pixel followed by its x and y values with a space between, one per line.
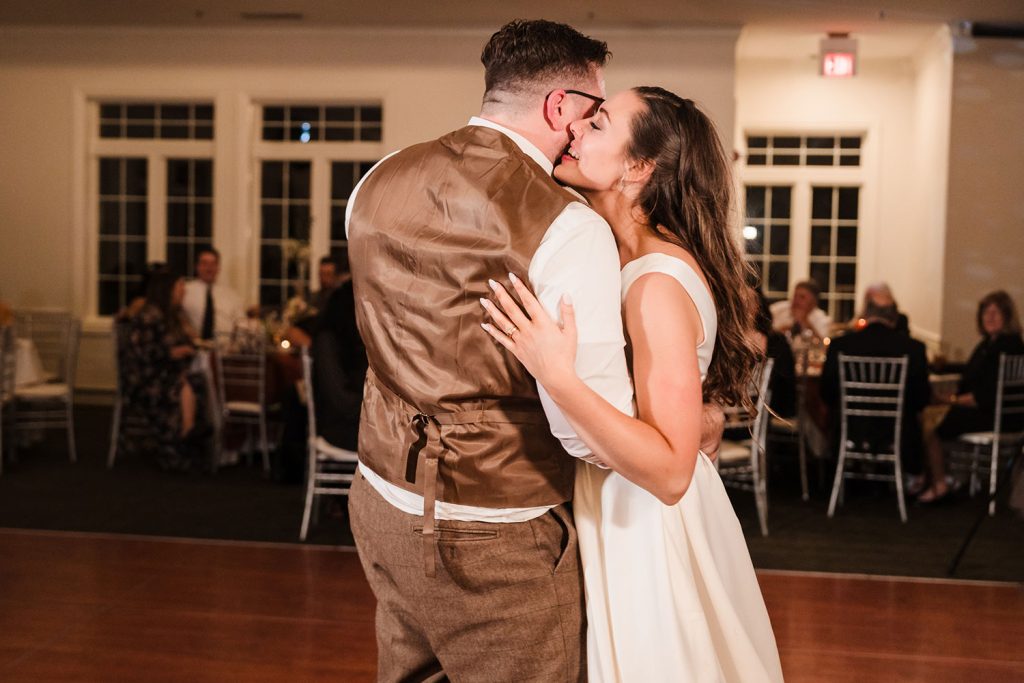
pixel 207 331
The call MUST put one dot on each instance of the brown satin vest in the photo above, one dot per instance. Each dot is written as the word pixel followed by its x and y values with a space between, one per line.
pixel 447 413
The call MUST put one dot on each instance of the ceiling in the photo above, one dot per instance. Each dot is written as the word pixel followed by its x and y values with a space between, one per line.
pixel 851 15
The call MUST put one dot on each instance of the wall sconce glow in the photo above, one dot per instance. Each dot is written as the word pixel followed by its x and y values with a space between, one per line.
pixel 838 56
pixel 749 232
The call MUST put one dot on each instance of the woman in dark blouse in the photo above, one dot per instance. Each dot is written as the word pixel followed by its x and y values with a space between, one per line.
pixel 156 357
pixel 972 407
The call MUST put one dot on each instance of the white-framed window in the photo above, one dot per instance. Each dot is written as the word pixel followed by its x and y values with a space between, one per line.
pixel 151 192
pixel 308 158
pixel 802 213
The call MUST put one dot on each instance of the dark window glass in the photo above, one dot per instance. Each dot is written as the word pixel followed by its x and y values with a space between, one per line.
pixel 848 202
pixel 820 275
pixel 178 257
pixel 785 159
pixel 778 276
pixel 346 114
pixel 140 131
pixel 846 277
pixel 110 130
pixel 273 133
pixel 203 186
pixel 204 112
pixel 272 181
pixel 271 260
pixel 178 177
pixel 849 161
pixel 365 166
pixel 779 240
pixel 271 225
pixel 786 142
pixel 755 201
pixel 298 221
pixel 755 244
pixel 135 218
pixel 342 179
pixel 849 143
pixel 340 134
pixel 175 112
pixel 110 298
pixel 134 256
pixel 821 202
pixel 846 242
pixel 780 201
pixel 111 111
pixel 172 131
pixel 110 217
pixel 110 257
pixel 177 219
pixel 270 295
pixel 815 160
pixel 370 133
pixel 141 111
pixel 110 176
pixel 203 221
pixel 370 114
pixel 135 177
pixel 843 310
pixel 821 240
pixel 298 180
pixel 821 143
pixel 756 160
pixel 757 142
pixel 273 113
pixel 204 132
pixel 298 114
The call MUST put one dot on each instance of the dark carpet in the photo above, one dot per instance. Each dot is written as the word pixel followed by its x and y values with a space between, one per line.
pixel 44 491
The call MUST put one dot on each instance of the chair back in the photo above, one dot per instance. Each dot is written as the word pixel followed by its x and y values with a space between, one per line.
pixel 1009 389
pixel 55 335
pixel 737 417
pixel 872 387
pixel 307 381
pixel 121 339
pixel 7 363
pixel 241 376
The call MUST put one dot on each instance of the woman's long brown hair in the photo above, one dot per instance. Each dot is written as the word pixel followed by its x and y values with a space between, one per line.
pixel 688 201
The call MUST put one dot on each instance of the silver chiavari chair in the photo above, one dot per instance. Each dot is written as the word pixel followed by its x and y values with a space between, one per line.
pixel 242 393
pixel 871 390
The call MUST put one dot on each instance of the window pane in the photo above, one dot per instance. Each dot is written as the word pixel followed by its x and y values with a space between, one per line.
pixel 110 257
pixel 272 180
pixel 135 177
pixel 779 240
pixel 273 113
pixel 340 134
pixel 110 130
pixel 271 224
pixel 757 142
pixel 785 159
pixel 849 142
pixel 843 310
pixel 821 143
pixel 270 295
pixel 821 203
pixel 204 132
pixel 135 218
pixel 816 160
pixel 848 202
pixel 271 260
pixel 177 219
pixel 110 298
pixel 780 201
pixel 849 161
pixel 370 133
pixel 819 273
pixel 846 277
pixel 347 114
pixel 170 131
pixel 110 217
pixel 111 111
pixel 753 235
pixel 370 114
pixel 298 221
pixel 337 223
pixel 177 178
pixel 204 112
pixel 140 131
pixel 821 240
pixel 178 258
pixel 110 176
pixel 342 179
pixel 203 221
pixel 755 201
pixel 786 142
pixel 273 133
pixel 846 243
pixel 778 276
pixel 141 111
pixel 757 160
pixel 298 180
pixel 174 112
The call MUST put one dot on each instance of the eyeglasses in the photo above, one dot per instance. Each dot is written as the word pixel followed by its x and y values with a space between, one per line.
pixel 598 101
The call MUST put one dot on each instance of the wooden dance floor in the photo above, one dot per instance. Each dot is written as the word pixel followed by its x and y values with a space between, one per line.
pixel 89 607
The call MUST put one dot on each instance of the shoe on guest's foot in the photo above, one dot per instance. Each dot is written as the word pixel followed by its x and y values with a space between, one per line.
pixel 932 498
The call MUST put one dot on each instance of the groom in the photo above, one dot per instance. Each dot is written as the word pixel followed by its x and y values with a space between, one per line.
pixel 459 509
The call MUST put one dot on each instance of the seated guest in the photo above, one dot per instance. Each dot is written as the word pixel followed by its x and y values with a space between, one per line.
pixel 210 307
pixel 156 360
pixel 880 338
pixel 782 384
pixel 331 274
pixel 880 294
pixel 801 312
pixel 138 298
pixel 339 369
pixel 972 407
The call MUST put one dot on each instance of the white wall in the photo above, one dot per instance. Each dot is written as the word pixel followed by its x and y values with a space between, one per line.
pixel 896 99
pixel 429 82
pixel 986 176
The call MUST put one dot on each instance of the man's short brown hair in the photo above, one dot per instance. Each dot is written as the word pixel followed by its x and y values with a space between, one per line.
pixel 526 53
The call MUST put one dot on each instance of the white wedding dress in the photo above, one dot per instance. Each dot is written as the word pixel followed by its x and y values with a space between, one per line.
pixel 671 591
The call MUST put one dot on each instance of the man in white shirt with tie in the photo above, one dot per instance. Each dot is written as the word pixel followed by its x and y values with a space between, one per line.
pixel 211 308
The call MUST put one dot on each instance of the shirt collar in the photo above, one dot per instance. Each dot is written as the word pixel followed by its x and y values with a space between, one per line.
pixel 528 147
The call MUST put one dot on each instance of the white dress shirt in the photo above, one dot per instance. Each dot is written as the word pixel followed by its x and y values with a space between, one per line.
pixel 577 256
pixel 227 306
pixel 782 318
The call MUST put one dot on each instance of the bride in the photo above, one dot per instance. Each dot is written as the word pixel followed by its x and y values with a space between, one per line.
pixel 671 591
